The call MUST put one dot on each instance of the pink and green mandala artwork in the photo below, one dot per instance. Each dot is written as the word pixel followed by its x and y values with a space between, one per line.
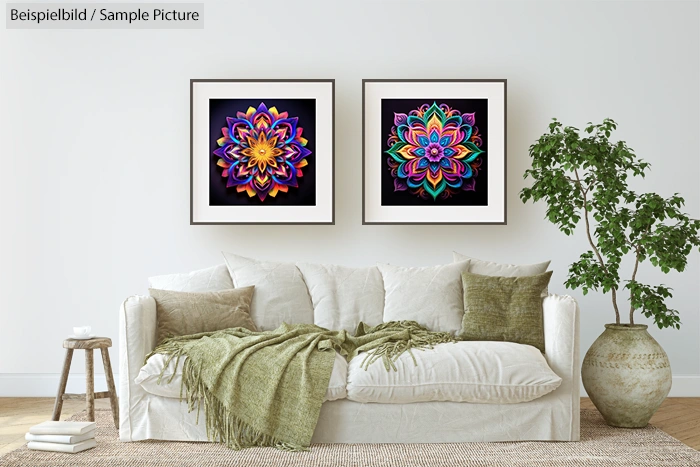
pixel 434 151
pixel 262 152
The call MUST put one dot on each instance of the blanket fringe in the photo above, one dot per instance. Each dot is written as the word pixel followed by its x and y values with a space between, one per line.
pixel 222 425
pixel 419 339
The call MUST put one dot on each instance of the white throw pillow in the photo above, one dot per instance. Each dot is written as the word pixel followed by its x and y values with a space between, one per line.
pixel 473 371
pixel 212 279
pixel 280 292
pixel 343 296
pixel 489 268
pixel 431 296
pixel 171 380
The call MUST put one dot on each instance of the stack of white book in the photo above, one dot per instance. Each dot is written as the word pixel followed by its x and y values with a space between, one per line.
pixel 62 436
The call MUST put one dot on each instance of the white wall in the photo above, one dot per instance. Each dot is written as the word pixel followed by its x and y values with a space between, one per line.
pixel 94 162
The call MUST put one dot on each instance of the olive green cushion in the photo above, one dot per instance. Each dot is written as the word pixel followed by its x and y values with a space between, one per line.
pixel 504 308
pixel 185 313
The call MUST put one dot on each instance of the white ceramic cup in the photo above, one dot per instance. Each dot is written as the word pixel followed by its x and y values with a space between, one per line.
pixel 82 331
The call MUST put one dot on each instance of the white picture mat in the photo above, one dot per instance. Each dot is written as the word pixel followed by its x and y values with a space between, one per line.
pixel 202 212
pixel 494 212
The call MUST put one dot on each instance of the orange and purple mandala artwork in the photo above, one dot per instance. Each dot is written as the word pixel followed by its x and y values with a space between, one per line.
pixel 262 152
pixel 434 151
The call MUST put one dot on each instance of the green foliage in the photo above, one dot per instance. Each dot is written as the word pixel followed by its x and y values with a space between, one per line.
pixel 583 176
pixel 651 301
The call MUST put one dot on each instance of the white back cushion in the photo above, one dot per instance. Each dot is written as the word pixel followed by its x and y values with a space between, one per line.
pixel 343 296
pixel 211 279
pixel 489 268
pixel 280 292
pixel 431 296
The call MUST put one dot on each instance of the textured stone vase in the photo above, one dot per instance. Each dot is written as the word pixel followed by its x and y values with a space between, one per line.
pixel 627 375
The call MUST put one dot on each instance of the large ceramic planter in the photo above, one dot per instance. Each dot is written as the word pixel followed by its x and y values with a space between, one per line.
pixel 627 375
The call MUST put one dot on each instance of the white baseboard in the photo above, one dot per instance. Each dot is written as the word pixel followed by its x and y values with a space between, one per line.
pixel 685 386
pixel 682 386
pixel 46 384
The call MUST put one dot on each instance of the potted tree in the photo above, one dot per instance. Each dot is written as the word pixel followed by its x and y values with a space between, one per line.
pixel 583 176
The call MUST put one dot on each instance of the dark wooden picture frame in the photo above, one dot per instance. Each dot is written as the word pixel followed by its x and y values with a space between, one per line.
pixel 365 82
pixel 331 209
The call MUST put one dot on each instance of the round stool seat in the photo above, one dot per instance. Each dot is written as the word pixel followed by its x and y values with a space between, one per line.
pixel 84 344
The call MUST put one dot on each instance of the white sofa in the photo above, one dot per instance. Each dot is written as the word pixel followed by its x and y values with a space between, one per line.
pixel 347 417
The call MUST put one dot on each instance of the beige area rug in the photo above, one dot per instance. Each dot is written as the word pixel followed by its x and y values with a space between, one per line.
pixel 600 445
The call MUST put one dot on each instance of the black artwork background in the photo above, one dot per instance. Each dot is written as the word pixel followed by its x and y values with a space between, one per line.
pixel 304 195
pixel 462 198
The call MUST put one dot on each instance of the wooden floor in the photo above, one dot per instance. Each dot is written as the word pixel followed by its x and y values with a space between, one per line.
pixel 17 414
pixel 679 417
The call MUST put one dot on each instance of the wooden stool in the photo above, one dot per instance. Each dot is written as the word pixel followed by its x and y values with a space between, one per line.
pixel 102 343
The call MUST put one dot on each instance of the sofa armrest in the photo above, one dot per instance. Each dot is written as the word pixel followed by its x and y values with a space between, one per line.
pixel 561 343
pixel 137 338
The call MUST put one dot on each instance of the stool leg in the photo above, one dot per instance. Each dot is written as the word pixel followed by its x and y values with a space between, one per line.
pixel 110 386
pixel 58 405
pixel 90 385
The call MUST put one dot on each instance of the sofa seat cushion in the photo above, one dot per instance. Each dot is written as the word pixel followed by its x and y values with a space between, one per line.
pixel 476 371
pixel 150 372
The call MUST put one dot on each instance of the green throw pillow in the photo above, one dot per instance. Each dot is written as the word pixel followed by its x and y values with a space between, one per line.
pixel 504 308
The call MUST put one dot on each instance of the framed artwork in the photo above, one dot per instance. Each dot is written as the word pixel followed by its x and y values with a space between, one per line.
pixel 262 151
pixel 434 151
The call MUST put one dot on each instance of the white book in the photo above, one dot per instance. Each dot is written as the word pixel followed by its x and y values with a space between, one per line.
pixel 71 448
pixel 60 439
pixel 62 428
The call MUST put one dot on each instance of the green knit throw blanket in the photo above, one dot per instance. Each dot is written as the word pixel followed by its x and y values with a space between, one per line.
pixel 266 388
